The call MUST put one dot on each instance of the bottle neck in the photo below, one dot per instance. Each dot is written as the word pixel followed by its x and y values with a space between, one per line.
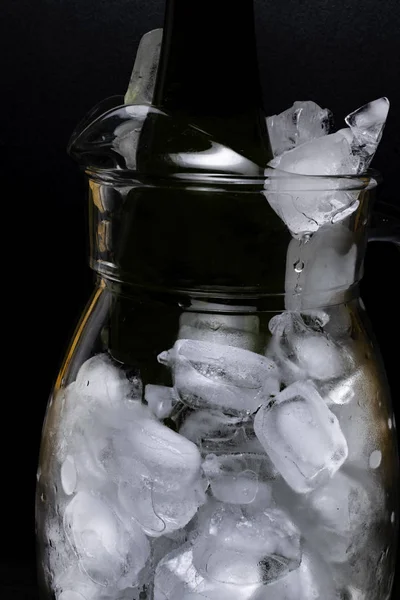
pixel 208 72
pixel 209 58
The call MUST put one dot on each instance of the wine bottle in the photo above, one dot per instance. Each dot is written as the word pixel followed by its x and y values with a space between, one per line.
pixel 208 73
pixel 178 235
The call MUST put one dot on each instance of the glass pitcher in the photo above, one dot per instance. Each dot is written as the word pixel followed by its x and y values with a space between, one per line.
pixel 221 426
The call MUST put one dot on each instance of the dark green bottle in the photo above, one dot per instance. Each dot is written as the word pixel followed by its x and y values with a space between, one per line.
pixel 185 233
pixel 208 73
pixel 209 236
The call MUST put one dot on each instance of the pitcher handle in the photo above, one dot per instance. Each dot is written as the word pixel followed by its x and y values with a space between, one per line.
pixel 385 224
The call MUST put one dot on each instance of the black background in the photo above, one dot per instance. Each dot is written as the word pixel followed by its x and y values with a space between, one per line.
pixel 57 59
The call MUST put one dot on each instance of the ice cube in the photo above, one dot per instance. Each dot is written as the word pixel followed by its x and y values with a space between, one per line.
pixel 318 356
pixel 320 268
pixel 127 134
pixel 160 512
pixel 175 575
pixel 367 124
pixel 173 461
pixel 311 581
pixel 144 74
pixel 157 472
pixel 241 548
pixel 328 155
pixel 306 203
pixel 89 431
pixel 335 518
pixel 135 494
pixel 202 424
pixel 95 409
pixel 69 475
pixel 217 433
pixel 243 439
pixel 102 382
pixel 343 390
pixel 70 595
pixel 302 203
pixel 177 508
pixel 240 478
pixel 303 350
pixel 301 436
pixel 73 584
pixel 160 399
pixel 84 440
pixel 211 375
pixel 302 122
pixel 346 152
pixel 241 331
pixel 106 550
pixel 298 321
pixel 176 578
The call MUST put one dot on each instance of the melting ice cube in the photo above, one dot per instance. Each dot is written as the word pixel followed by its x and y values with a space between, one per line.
pixel 172 460
pixel 217 376
pixel 175 575
pixel 158 474
pixel 106 550
pixel 342 391
pixel 217 433
pixel 102 382
pixel 177 508
pixel 302 122
pixel 73 584
pixel 335 518
pixel 128 133
pixel 158 509
pixel 201 424
pixel 301 436
pixel 367 124
pixel 144 74
pixel 84 438
pixel 311 581
pixel 346 152
pixel 160 399
pixel 135 494
pixel 328 155
pixel 140 93
pixel 241 548
pixel 240 478
pixel 177 578
pixel 302 349
pixel 304 204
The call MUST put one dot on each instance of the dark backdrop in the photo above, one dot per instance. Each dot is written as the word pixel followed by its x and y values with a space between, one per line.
pixel 60 57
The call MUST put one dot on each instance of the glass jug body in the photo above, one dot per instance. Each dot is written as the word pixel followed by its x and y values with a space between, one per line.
pixel 221 426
